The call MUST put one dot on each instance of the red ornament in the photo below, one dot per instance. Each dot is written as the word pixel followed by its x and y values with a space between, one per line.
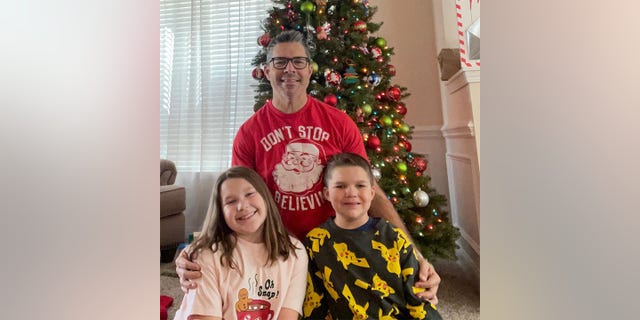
pixel 376 52
pixel 257 73
pixel 331 99
pixel 419 164
pixel 407 146
pixel 401 109
pixel 392 70
pixel 333 78
pixel 360 26
pixel 373 142
pixel 394 93
pixel 321 33
pixel 264 40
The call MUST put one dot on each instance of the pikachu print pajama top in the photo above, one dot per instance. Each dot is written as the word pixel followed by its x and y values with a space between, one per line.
pixel 365 273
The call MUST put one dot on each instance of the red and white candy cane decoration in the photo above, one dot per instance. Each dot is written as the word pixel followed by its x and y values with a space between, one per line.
pixel 461 38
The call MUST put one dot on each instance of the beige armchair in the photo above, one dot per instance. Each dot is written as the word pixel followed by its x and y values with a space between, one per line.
pixel 172 206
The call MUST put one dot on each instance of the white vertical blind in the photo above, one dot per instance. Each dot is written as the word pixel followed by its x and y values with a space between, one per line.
pixel 206 88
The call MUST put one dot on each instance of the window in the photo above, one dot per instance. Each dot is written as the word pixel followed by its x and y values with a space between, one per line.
pixel 206 88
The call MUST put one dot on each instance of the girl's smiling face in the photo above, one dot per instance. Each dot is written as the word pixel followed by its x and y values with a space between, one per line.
pixel 244 209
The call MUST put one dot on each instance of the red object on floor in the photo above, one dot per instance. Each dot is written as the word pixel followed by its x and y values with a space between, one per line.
pixel 165 303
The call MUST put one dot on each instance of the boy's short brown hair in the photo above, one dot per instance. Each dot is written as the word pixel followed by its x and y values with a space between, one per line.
pixel 347 159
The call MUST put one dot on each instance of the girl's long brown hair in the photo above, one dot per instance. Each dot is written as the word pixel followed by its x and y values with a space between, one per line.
pixel 216 234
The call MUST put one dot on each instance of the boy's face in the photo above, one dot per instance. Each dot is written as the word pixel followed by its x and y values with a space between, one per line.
pixel 350 192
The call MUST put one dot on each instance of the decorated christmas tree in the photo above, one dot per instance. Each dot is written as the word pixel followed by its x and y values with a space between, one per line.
pixel 352 72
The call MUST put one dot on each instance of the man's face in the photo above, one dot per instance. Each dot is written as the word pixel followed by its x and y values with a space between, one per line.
pixel 290 82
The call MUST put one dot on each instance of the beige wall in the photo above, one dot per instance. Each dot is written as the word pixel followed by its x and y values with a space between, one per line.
pixel 409 28
pixel 446 28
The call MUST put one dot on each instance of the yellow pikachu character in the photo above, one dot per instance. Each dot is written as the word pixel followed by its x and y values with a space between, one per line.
pixel 391 255
pixel 317 236
pixel 312 299
pixel 407 272
pixel 382 286
pixel 388 316
pixel 359 312
pixel 328 285
pixel 347 257
pixel 417 312
pixel 403 240
pixel 417 290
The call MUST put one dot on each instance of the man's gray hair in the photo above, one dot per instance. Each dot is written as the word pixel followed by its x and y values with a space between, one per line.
pixel 287 36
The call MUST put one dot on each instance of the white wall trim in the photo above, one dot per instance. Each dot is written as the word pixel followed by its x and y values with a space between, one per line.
pixel 460 79
pixel 476 195
pixel 472 76
pixel 469 246
pixel 452 192
pixel 469 260
pixel 467 238
pixel 427 132
pixel 459 157
pixel 456 82
pixel 476 186
pixel 467 131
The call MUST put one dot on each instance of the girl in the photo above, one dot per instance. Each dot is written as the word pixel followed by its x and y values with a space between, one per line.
pixel 252 268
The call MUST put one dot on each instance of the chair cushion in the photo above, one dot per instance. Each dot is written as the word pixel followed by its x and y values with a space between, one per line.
pixel 172 200
pixel 172 231
pixel 168 172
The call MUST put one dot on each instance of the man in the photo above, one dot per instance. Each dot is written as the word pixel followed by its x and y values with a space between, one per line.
pixel 291 137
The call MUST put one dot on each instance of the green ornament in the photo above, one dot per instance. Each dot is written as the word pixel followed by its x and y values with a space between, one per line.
pixel 404 128
pixel 402 167
pixel 366 109
pixel 385 121
pixel 306 7
pixel 381 42
pixel 314 66
pixel 406 190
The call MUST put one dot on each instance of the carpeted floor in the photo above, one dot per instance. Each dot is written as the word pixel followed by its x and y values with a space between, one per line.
pixel 459 295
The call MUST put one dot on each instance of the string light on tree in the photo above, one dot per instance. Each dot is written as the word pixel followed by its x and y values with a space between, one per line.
pixel 376 173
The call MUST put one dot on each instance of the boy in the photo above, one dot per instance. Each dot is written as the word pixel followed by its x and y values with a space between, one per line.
pixel 360 267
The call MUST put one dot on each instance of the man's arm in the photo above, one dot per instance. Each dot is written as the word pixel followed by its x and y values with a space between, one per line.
pixel 187 271
pixel 381 207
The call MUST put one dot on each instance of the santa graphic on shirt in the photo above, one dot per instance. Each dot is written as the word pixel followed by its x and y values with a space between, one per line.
pixel 299 169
